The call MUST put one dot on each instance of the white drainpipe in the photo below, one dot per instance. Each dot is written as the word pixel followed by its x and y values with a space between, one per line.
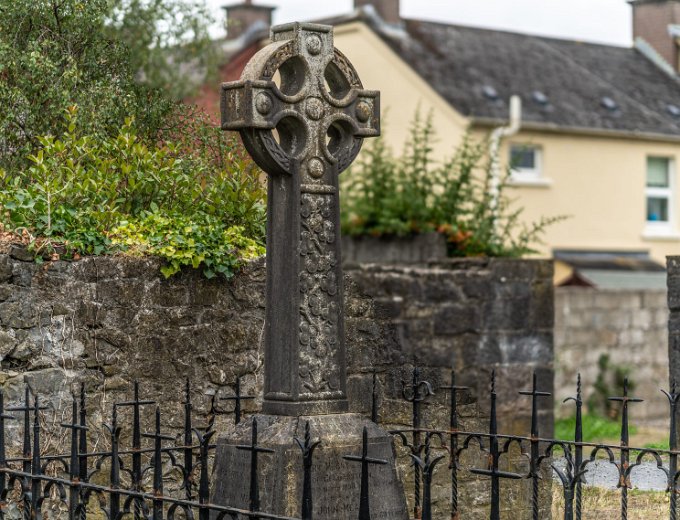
pixel 494 147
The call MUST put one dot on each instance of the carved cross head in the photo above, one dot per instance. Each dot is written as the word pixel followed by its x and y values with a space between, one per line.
pixel 314 118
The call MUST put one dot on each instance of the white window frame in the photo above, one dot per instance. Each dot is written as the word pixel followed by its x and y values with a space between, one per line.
pixel 661 229
pixel 527 176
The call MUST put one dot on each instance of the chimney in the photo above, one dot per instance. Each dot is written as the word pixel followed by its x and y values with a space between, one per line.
pixel 387 9
pixel 657 23
pixel 240 17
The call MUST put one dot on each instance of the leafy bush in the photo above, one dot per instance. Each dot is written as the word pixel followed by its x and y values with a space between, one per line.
pixel 88 194
pixel 609 383
pixel 386 195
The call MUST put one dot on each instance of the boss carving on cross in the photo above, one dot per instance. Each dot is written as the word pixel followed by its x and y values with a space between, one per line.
pixel 319 110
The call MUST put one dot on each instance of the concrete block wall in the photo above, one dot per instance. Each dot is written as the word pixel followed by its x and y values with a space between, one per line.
pixel 628 325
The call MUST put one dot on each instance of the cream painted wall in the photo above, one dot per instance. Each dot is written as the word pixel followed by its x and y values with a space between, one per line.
pixel 599 182
pixel 402 91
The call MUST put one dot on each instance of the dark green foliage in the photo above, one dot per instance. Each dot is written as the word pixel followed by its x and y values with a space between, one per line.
pixel 60 53
pixel 386 195
pixel 609 383
pixel 87 194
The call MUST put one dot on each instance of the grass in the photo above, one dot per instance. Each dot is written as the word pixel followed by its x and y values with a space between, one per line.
pixel 601 504
pixel 598 503
pixel 596 429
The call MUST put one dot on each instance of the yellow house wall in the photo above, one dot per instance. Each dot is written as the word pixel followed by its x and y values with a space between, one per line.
pixel 402 91
pixel 599 182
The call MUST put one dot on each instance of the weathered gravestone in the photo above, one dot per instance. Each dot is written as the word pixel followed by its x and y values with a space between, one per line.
pixel 304 133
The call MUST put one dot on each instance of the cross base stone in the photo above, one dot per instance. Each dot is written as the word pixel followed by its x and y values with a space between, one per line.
pixel 336 482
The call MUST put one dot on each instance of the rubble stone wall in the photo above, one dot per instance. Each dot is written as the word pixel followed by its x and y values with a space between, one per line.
pixel 108 321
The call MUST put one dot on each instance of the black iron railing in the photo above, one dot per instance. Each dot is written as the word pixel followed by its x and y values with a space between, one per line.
pixel 429 447
pixel 126 480
pixel 68 485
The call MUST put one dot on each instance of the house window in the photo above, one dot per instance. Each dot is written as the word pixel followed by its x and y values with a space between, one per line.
pixel 659 191
pixel 525 162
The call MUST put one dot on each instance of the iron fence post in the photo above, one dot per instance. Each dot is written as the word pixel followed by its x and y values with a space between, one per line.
pixel 188 452
pixel 427 467
pixel 3 455
pixel 535 444
pixel 136 476
pixel 114 504
pixel 673 397
pixel 204 481
pixel 255 450
pixel 74 463
pixel 453 443
pixel 27 458
pixel 417 393
pixel 307 447
pixel 238 399
pixel 624 479
pixel 158 470
pixel 82 452
pixel 364 499
pixel 493 469
pixel 495 456
pixel 578 453
pixel 36 483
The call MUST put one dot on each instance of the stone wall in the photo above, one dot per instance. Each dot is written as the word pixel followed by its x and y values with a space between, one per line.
pixel 630 326
pixel 473 315
pixel 108 321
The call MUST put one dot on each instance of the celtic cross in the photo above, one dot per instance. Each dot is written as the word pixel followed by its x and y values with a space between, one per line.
pixel 303 130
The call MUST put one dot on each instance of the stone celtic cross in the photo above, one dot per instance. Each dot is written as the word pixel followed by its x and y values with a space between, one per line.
pixel 303 131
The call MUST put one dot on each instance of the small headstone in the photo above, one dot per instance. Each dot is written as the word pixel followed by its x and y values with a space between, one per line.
pixel 304 132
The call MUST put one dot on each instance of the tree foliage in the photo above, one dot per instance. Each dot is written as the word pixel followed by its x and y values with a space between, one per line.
pixel 169 42
pixel 108 57
pixel 96 155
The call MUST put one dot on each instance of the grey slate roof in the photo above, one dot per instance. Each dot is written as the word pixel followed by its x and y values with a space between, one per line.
pixel 458 62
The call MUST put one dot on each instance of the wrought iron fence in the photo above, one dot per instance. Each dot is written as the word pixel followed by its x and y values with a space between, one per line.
pixel 428 447
pixel 65 485
pixel 127 479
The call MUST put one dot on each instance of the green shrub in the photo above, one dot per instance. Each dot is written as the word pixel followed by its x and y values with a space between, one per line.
pixel 609 383
pixel 86 194
pixel 386 195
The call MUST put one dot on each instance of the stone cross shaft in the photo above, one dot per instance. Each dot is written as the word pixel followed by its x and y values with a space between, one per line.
pixel 303 114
